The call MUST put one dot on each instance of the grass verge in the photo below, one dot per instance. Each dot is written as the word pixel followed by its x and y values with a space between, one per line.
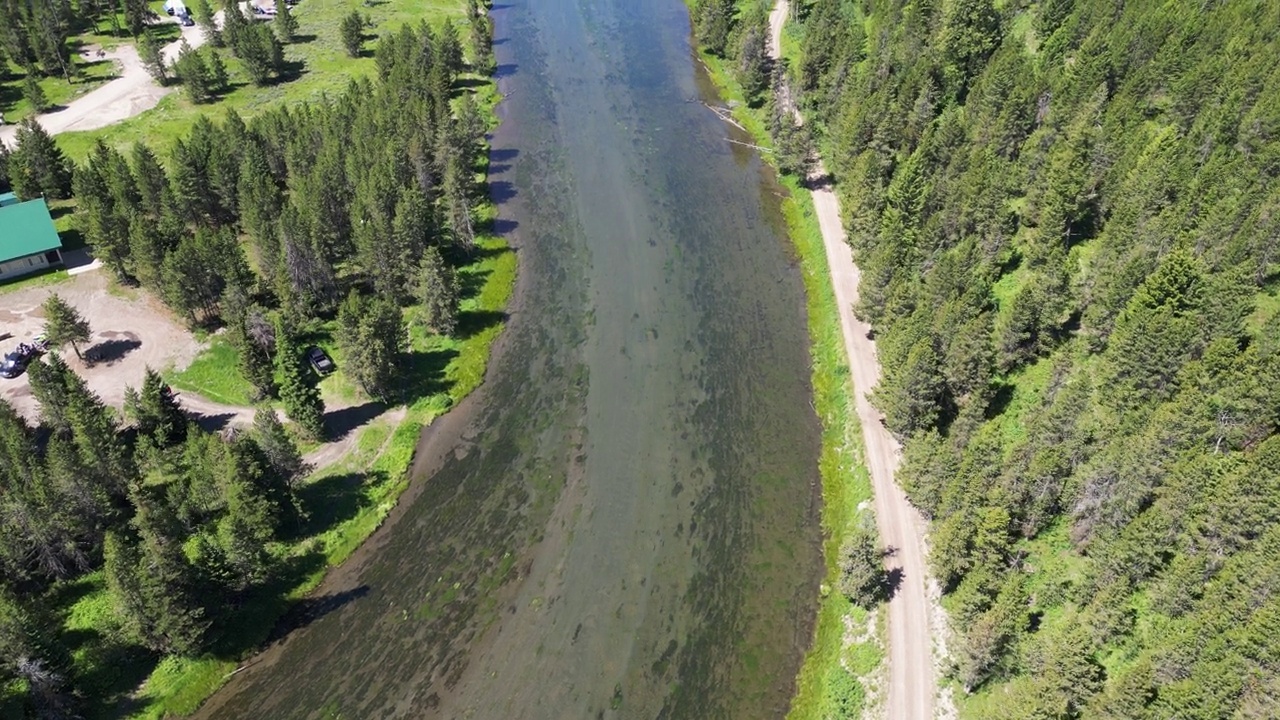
pixel 316 62
pixel 830 683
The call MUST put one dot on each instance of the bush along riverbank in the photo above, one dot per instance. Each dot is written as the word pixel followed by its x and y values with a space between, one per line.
pixel 840 668
pixel 149 585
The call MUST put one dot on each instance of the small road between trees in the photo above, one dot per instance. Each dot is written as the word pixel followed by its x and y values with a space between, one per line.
pixel 132 93
pixel 912 681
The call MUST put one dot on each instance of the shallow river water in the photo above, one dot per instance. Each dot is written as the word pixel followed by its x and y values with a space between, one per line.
pixel 623 523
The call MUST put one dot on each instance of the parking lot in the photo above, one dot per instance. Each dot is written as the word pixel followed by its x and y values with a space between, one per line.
pixel 130 331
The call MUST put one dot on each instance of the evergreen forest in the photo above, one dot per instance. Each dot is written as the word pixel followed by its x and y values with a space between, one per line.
pixel 1067 217
pixel 358 208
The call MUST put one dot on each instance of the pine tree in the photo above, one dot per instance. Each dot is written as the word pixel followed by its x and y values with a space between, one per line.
pixel 862 575
pixel 156 411
pixel 260 53
pixel 147 251
pixel 33 93
pixel 352 32
pixel 286 25
pixel 36 165
pixel 153 585
pixel 64 324
pixel 245 331
pixel 192 71
pixel 204 17
pixel 217 73
pixel 153 183
pixel 371 334
pixel 301 399
pixel 234 25
pixel 151 52
pixel 278 448
pixel 136 14
pixel 438 292
pixel 261 202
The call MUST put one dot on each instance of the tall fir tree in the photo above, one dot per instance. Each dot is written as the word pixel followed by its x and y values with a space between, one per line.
pixel 301 399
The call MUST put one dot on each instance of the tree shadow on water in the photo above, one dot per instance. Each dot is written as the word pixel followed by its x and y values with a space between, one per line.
pixel 501 191
pixel 503 154
pixel 309 609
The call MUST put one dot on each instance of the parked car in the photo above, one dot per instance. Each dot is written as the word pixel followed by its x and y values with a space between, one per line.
pixel 16 362
pixel 319 360
pixel 185 20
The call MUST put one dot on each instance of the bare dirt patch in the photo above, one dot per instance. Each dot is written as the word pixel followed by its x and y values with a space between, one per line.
pixel 131 331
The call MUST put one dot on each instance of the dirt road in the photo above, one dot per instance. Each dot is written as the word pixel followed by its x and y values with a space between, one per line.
pixel 912 685
pixel 131 93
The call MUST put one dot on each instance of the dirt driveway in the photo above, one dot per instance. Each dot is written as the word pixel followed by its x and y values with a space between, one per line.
pixel 130 331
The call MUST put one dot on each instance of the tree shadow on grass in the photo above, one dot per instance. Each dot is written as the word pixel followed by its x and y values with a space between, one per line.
pixel 289 71
pixel 470 283
pixel 247 624
pixel 303 38
pixel 424 372
pixel 467 83
pixel 474 322
pixel 108 671
pixel 333 499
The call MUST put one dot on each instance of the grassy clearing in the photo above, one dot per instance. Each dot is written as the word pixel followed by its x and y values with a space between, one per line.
pixel 318 64
pixel 57 90
pixel 829 683
pixel 215 374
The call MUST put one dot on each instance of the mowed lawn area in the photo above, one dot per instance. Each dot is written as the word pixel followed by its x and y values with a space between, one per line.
pixel 316 62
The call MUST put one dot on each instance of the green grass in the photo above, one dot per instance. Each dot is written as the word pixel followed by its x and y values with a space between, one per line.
pixel 57 90
pixel 322 63
pixel 1027 385
pixel 215 374
pixel 828 684
pixel 47 276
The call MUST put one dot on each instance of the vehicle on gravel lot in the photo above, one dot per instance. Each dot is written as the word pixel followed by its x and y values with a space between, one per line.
pixel 16 362
pixel 319 360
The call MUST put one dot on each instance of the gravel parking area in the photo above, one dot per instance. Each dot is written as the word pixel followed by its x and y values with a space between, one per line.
pixel 130 331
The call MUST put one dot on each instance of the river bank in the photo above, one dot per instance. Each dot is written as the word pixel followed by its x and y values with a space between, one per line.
pixel 382 457
pixel 843 667
pixel 627 525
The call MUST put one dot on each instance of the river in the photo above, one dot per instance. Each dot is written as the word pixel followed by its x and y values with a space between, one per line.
pixel 623 522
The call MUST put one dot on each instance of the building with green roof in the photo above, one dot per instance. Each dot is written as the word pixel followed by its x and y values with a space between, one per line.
pixel 28 241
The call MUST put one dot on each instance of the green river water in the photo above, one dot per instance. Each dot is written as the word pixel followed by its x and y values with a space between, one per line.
pixel 623 522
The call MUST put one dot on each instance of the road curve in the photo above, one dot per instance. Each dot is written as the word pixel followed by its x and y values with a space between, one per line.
pixel 132 93
pixel 912 684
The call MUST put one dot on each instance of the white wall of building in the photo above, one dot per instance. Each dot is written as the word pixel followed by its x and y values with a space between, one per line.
pixel 22 266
